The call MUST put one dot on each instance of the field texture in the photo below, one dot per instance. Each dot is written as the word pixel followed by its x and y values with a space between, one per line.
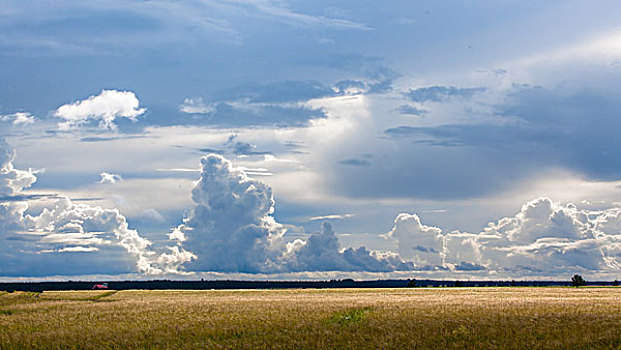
pixel 421 318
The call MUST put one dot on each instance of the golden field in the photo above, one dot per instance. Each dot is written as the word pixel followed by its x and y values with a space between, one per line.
pixel 417 318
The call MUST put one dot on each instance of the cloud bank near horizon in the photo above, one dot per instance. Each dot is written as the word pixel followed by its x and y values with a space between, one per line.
pixel 544 238
pixel 56 236
pixel 231 229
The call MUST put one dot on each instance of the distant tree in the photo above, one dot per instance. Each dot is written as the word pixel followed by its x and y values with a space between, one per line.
pixel 615 283
pixel 459 283
pixel 513 283
pixel 578 281
pixel 412 283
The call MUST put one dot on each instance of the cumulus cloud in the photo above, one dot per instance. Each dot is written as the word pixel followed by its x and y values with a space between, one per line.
pixel 321 252
pixel 417 242
pixel 544 238
pixel 12 180
pixel 102 109
pixel 61 237
pixel 18 119
pixel 231 229
pixel 107 178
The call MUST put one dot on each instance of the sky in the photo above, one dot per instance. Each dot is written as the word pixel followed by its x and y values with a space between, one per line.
pixel 275 139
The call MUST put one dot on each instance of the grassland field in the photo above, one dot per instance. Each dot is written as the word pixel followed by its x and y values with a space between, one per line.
pixel 406 318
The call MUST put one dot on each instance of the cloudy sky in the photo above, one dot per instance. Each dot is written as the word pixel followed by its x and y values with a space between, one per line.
pixel 296 139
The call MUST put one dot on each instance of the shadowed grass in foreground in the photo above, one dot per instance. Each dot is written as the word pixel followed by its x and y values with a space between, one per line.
pixel 485 318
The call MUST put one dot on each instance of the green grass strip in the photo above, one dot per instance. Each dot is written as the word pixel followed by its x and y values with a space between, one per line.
pixel 348 317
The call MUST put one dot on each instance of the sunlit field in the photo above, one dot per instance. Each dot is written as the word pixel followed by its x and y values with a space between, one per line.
pixel 476 318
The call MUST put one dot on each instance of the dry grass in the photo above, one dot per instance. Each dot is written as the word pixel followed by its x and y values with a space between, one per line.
pixel 476 318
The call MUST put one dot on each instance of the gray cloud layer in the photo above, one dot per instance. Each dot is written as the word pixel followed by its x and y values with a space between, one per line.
pixel 537 127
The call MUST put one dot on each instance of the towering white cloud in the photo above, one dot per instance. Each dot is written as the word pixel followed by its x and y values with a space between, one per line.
pixel 417 242
pixel 101 109
pixel 231 228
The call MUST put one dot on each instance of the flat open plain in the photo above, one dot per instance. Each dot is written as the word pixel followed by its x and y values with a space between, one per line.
pixel 476 318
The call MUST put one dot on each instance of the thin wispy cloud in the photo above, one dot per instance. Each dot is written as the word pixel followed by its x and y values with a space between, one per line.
pixel 332 217
pixel 283 13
